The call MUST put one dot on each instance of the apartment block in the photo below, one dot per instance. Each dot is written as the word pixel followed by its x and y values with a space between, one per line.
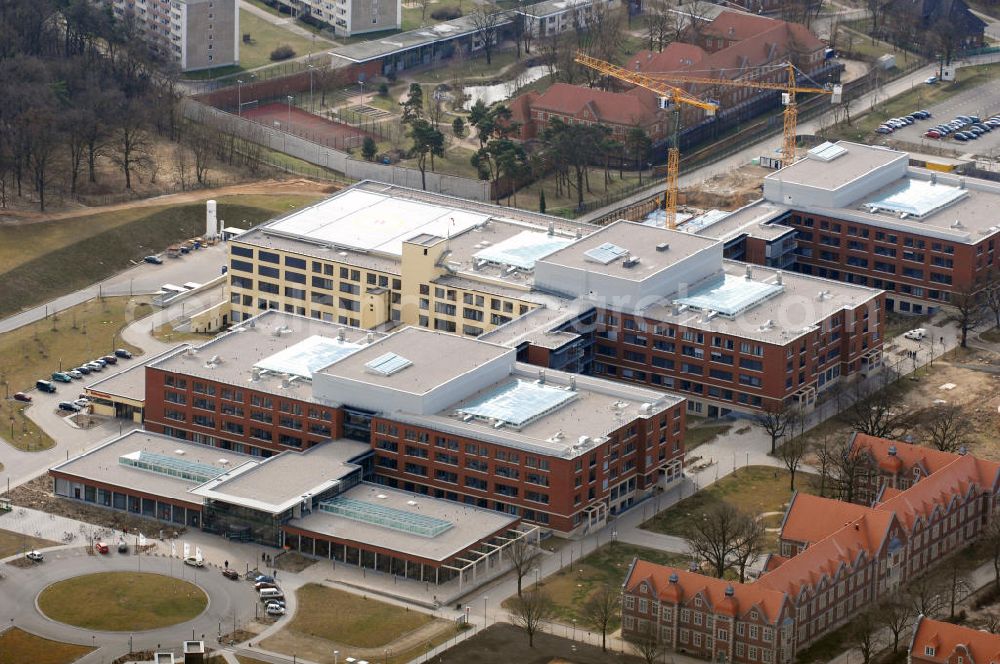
pixel 835 560
pixel 444 416
pixel 861 214
pixel 348 17
pixel 196 34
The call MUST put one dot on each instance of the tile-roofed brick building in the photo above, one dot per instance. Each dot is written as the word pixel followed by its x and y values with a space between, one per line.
pixel 936 642
pixel 620 111
pixel 837 558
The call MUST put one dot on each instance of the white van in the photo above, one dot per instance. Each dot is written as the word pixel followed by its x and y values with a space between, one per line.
pixel 270 593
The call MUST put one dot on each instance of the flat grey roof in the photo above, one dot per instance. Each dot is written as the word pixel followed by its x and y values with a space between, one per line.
pixel 436 358
pixel 638 240
pixel 230 357
pixel 469 525
pixel 257 237
pixel 536 325
pixel 130 383
pixel 857 161
pixel 781 318
pixel 750 219
pixel 278 483
pixel 101 464
pixel 599 407
pixel 404 41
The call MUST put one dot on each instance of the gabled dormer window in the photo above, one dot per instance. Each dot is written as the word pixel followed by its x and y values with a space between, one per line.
pixel 643 588
pixel 929 651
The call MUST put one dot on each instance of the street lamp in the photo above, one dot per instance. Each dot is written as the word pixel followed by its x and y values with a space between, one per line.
pixel 311 69
pixel 486 621
pixel 336 656
pixel 361 82
pixel 574 629
pixel 239 97
pixel 290 98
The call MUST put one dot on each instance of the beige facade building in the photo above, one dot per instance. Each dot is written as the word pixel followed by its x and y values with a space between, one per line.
pixel 350 17
pixel 197 34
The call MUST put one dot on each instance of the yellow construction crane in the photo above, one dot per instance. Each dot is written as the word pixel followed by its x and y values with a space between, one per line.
pixel 671 97
pixel 789 90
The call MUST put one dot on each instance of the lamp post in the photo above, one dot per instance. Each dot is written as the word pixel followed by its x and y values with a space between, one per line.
pixel 574 629
pixel 486 620
pixel 312 107
pixel 289 124
pixel 239 97
pixel 336 657
pixel 361 82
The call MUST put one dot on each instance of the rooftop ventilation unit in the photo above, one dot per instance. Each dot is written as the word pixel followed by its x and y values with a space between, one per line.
pixel 541 376
pixel 341 334
pixel 180 452
pixel 468 418
pixel 630 261
pixel 572 383
pixel 663 246
pixel 552 228
pixel 749 272
pixel 777 278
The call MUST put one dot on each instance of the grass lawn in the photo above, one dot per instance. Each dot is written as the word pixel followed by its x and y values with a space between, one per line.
pixel 122 601
pixel 470 68
pixel 993 336
pixel 18 647
pixel 43 260
pixel 265 37
pixel 266 7
pixel 335 615
pixel 11 543
pixel 571 588
pixel 919 97
pixel 565 205
pixel 75 336
pixel 756 489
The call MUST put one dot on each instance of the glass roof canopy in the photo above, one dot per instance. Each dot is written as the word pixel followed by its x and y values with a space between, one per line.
pixel 388 517
pixel 916 198
pixel 518 403
pixel 388 364
pixel 162 464
pixel 730 295
pixel 605 253
pixel 308 356
pixel 523 249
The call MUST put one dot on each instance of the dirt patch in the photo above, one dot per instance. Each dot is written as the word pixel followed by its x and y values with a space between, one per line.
pixel 291 561
pixel 502 643
pixel 727 191
pixel 37 494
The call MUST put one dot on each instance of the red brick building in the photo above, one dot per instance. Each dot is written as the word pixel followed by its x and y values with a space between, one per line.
pixel 937 642
pixel 576 104
pixel 836 558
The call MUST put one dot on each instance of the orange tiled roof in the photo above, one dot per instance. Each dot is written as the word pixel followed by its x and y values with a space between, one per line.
pixel 737 26
pixel 612 107
pixel 823 558
pixel 928 458
pixel 774 561
pixel 946 638
pixel 745 596
pixel 811 518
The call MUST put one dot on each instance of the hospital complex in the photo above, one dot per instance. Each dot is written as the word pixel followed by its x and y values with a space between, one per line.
pixel 412 382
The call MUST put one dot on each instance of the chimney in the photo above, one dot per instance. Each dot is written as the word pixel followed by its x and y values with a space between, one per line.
pixel 674 578
pixel 572 383
pixel 730 591
pixel 892 450
pixel 693 567
pixel 552 228
pixel 777 278
pixel 963 450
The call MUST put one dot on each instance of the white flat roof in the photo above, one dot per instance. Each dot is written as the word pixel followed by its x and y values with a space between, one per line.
pixel 372 221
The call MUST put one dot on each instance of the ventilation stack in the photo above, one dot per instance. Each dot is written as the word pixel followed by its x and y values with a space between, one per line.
pixel 211 225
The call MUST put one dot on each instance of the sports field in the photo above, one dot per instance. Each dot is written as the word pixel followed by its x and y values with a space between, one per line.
pixel 300 122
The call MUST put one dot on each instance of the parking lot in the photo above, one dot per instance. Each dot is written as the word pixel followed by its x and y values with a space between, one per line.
pixel 983 101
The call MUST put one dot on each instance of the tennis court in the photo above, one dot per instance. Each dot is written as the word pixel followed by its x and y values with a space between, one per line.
pixel 302 123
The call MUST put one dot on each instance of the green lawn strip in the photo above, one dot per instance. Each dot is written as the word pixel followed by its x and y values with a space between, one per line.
pixel 55 263
pixel 699 435
pixel 11 543
pixel 993 336
pixel 76 335
pixel 122 601
pixel 351 620
pixel 265 37
pixel 756 489
pixel 260 4
pixel 20 647
pixel 575 584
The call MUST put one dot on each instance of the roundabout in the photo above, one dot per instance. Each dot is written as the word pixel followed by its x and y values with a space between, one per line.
pixel 122 601
pixel 108 603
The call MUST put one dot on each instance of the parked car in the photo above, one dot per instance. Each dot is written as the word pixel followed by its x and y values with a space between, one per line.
pixel 69 406
pixel 122 546
pixel 83 369
pixel 61 377
pixel 275 610
pixel 94 366
pixel 110 359
pixel 155 260
pixel 264 584
pixel 932 134
pixel 973 118
pixel 985 127
pixel 21 396
pixel 263 577
pixel 916 334
pixel 194 562
pixel 73 373
pixel 101 546
pixel 231 574
pixel 884 130
pixel 101 361
pixel 82 402
pixel 931 80
pixel 965 119
pixel 45 386
pixel 122 353
pixel 276 602
pixel 960 136
pixel 34 556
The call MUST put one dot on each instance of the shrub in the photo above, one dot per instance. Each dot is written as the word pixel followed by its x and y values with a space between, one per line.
pixel 283 52
pixel 446 13
pixel 383 89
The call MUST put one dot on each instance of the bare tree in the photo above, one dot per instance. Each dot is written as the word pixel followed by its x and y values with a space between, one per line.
pixel 879 414
pixel 791 454
pixel 750 545
pixel 945 427
pixel 846 464
pixel 991 295
pixel 717 536
pixel 601 610
pixel 648 648
pixel 823 448
pixel 486 24
pixel 925 595
pixel 130 142
pixel 895 614
pixel 863 635
pixel 530 610
pixel 957 588
pixel 777 422
pixel 520 553
pixel 967 311
pixel 990 537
